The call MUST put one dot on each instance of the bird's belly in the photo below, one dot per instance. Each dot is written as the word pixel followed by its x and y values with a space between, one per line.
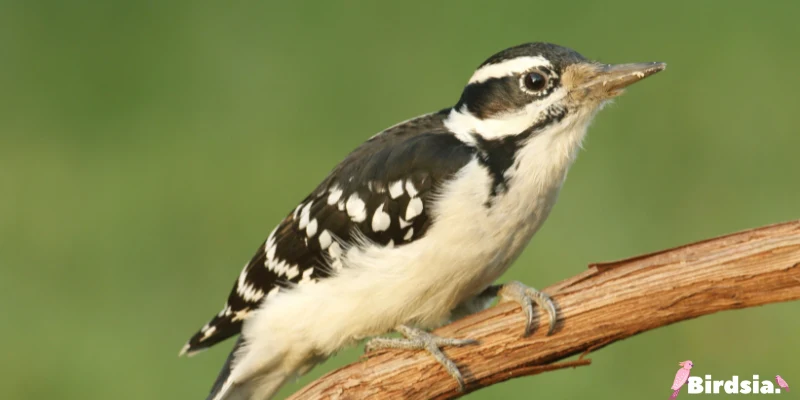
pixel 479 245
pixel 503 245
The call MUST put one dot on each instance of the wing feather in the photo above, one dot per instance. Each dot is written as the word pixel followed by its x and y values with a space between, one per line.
pixel 382 191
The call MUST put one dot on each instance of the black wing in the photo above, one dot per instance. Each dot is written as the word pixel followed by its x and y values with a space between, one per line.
pixel 382 191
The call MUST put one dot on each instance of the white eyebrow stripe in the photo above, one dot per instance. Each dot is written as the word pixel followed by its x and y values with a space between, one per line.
pixel 508 67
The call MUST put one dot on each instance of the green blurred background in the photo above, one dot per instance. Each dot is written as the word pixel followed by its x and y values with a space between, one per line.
pixel 146 148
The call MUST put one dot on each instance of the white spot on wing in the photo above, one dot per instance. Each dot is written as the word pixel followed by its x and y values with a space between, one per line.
pixel 279 268
pixel 335 250
pixel 380 220
pixel 409 234
pixel 396 189
pixel 305 215
pixel 324 239
pixel 356 208
pixel 414 208
pixel 307 276
pixel 241 315
pixel 335 195
pixel 412 191
pixel 247 291
pixel 297 210
pixel 403 223
pixel 208 332
pixel 311 229
pixel 221 313
pixel 290 274
pixel 271 238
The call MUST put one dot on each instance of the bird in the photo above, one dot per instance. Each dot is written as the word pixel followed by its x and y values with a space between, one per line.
pixel 782 383
pixel 412 229
pixel 680 378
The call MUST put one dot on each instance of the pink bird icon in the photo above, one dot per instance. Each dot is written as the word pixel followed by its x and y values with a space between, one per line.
pixel 680 378
pixel 782 383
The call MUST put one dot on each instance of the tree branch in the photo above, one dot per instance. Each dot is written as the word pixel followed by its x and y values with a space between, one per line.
pixel 607 303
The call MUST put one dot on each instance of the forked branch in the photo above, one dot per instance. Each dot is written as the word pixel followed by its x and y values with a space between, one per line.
pixel 607 303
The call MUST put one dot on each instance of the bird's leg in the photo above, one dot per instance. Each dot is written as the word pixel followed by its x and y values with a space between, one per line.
pixel 417 339
pixel 526 297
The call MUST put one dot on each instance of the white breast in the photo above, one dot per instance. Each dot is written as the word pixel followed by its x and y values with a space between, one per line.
pixel 486 240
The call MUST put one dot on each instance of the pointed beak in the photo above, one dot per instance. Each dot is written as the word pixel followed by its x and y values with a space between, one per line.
pixel 610 80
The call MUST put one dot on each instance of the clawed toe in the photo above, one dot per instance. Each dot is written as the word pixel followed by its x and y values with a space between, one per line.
pixel 417 339
pixel 526 297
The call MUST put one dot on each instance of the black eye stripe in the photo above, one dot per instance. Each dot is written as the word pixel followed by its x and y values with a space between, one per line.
pixel 502 94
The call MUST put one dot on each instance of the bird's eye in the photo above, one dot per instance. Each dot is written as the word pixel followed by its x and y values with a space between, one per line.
pixel 534 81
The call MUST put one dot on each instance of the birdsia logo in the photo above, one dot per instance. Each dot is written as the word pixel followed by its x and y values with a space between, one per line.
pixel 697 385
pixel 707 385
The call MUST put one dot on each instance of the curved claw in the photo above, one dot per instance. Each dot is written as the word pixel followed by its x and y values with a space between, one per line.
pixel 526 296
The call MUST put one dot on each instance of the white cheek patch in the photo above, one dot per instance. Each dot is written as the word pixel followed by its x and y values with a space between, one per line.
pixel 464 124
pixel 508 68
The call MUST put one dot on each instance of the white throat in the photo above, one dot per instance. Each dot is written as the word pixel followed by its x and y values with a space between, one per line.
pixel 554 149
pixel 536 180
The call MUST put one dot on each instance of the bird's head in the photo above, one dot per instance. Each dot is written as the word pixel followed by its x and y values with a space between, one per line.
pixel 536 85
pixel 686 364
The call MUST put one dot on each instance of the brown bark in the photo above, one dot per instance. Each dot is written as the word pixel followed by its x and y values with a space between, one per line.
pixel 609 302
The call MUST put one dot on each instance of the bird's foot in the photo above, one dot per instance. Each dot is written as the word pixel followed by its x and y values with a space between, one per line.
pixel 526 297
pixel 417 339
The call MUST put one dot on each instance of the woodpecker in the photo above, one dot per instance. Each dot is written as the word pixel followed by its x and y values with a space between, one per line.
pixel 414 226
